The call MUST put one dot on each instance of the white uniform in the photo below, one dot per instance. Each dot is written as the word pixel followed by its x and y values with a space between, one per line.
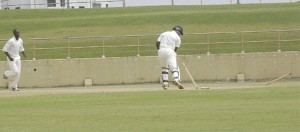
pixel 167 56
pixel 14 47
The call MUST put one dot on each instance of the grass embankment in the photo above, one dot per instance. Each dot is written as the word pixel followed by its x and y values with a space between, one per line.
pixel 44 23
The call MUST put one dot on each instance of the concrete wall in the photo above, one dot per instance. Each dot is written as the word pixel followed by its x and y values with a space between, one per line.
pixel 73 72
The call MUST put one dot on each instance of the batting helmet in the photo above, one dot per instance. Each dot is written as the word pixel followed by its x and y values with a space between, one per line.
pixel 179 29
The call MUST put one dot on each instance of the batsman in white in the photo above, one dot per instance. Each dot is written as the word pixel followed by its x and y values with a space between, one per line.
pixel 11 49
pixel 167 44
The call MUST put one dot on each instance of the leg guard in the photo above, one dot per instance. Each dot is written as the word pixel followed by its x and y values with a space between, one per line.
pixel 179 79
pixel 176 74
pixel 165 75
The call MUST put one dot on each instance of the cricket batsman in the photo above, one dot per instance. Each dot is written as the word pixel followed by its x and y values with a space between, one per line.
pixel 167 44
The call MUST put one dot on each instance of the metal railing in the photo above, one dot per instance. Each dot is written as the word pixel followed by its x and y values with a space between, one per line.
pixel 144 45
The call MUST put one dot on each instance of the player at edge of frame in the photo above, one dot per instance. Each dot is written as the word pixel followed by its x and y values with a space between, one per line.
pixel 11 49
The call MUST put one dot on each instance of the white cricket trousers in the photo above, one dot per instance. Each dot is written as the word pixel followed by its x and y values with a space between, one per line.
pixel 14 70
pixel 167 60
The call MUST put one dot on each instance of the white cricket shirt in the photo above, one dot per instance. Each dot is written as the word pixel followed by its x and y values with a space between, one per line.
pixel 13 47
pixel 169 39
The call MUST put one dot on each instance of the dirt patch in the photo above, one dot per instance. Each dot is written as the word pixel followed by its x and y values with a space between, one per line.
pixel 144 87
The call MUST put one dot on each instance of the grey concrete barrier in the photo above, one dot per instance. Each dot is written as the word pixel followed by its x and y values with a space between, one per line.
pixel 127 70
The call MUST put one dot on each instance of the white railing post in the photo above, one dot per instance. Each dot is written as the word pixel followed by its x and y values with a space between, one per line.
pixel 278 42
pixel 208 50
pixel 103 51
pixel 68 48
pixel 243 50
pixel 138 52
pixel 33 50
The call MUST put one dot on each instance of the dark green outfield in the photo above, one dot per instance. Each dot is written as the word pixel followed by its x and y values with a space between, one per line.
pixel 58 23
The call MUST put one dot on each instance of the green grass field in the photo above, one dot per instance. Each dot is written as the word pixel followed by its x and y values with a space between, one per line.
pixel 151 20
pixel 42 23
pixel 273 109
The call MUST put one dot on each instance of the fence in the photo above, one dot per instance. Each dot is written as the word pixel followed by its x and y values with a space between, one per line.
pixel 144 45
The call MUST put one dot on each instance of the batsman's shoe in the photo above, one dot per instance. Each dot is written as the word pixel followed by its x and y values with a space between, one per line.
pixel 178 84
pixel 15 89
pixel 165 86
pixel 4 77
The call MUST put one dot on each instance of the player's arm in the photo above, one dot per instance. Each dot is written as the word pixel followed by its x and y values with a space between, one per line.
pixel 9 57
pixel 5 50
pixel 177 45
pixel 159 39
pixel 157 45
pixel 176 49
pixel 23 52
